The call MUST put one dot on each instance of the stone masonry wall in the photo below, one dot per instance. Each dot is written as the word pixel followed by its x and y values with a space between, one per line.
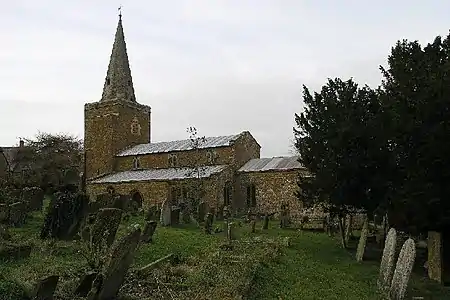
pixel 108 130
pixel 224 156
pixel 272 189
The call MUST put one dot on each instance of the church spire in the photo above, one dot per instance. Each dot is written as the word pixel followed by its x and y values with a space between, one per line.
pixel 118 83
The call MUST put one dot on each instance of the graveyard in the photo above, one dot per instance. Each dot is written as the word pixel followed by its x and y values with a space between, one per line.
pixel 198 261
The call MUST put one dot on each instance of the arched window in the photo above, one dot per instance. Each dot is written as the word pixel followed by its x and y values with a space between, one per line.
pixel 211 156
pixel 136 163
pixel 173 160
pixel 135 127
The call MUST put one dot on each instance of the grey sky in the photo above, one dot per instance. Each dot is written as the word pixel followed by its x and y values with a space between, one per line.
pixel 222 66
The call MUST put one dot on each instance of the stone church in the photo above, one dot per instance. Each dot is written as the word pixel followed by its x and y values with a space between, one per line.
pixel 121 157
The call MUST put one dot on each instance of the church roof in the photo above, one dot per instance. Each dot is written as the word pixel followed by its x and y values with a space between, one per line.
pixel 159 174
pixel 271 164
pixel 118 82
pixel 181 145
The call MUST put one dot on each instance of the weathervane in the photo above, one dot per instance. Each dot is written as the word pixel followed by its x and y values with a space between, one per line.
pixel 120 12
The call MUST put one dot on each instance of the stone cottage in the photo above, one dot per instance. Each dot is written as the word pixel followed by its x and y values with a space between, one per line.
pixel 120 156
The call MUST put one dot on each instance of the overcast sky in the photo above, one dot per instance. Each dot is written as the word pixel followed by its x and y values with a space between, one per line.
pixel 221 66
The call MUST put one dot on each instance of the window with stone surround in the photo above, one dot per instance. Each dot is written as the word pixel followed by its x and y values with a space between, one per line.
pixel 173 160
pixel 227 192
pixel 251 195
pixel 211 156
pixel 135 127
pixel 136 163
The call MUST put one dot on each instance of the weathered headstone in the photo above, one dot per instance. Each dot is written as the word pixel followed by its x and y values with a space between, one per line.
pixel 201 211
pixel 151 213
pixel 33 197
pixel 435 252
pixel 362 241
pixel 208 223
pixel 266 222
pixel 387 262
pixel 149 230
pixel 165 214
pixel 105 226
pixel 17 213
pixel 403 270
pixel 185 212
pixel 85 284
pixel 175 215
pixel 230 231
pixel 45 288
pixel 118 263
pixel 349 228
pixel 4 212
pixel 253 226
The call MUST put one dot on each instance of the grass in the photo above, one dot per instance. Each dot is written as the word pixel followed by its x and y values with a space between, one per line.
pixel 259 266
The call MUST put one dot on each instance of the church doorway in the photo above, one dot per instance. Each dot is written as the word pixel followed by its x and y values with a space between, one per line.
pixel 135 202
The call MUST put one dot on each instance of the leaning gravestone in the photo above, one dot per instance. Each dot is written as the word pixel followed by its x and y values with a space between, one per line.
pixel 387 262
pixel 435 251
pixel 45 288
pixel 118 263
pixel 105 226
pixel 362 241
pixel 149 230
pixel 165 214
pixel 403 270
pixel 201 211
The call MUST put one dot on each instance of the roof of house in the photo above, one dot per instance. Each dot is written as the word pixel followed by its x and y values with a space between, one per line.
pixel 10 155
pixel 181 145
pixel 271 164
pixel 159 174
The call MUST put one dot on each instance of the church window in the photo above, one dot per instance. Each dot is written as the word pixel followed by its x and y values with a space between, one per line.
pixel 136 163
pixel 173 160
pixel 227 193
pixel 211 157
pixel 135 127
pixel 251 195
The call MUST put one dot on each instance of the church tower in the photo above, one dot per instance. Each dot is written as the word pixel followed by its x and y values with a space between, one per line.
pixel 117 121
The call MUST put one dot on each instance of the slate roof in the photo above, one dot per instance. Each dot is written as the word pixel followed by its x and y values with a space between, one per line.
pixel 158 174
pixel 181 145
pixel 271 164
pixel 10 155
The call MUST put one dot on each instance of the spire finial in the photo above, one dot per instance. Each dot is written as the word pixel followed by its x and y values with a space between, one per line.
pixel 120 12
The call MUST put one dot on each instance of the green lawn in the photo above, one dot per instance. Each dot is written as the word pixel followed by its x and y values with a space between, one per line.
pixel 313 267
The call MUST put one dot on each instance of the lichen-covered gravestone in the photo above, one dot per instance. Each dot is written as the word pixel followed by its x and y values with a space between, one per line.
pixel 387 262
pixel 435 251
pixel 149 230
pixel 201 211
pixel 118 263
pixel 208 223
pixel 403 270
pixel 362 240
pixel 105 227
pixel 165 214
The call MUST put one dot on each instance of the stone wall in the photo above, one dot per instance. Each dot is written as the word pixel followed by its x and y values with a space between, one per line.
pixel 108 130
pixel 272 188
pixel 155 192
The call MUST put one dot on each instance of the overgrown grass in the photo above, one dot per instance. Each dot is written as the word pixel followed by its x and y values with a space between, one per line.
pixel 259 267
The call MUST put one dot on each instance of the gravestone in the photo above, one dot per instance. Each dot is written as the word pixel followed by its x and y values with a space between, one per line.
pixel 253 226
pixel 175 215
pixel 17 213
pixel 34 197
pixel 230 231
pixel 403 270
pixel 117 265
pixel 387 262
pixel 105 226
pixel 149 230
pixel 349 228
pixel 362 240
pixel 85 284
pixel 208 223
pixel 266 222
pixel 45 288
pixel 185 213
pixel 435 252
pixel 151 213
pixel 201 211
pixel 165 214
pixel 4 213
pixel 284 216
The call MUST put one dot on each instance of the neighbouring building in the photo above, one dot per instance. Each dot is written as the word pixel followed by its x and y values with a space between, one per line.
pixel 120 156
pixel 10 161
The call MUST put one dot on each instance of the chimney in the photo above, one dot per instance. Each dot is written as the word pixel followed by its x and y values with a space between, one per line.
pixel 21 143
